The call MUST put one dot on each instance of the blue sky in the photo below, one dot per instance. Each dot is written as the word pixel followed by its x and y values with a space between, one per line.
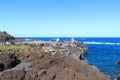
pixel 60 18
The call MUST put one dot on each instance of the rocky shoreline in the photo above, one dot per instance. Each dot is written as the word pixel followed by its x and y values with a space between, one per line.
pixel 49 61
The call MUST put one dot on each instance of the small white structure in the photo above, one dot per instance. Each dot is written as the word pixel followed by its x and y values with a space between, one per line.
pixel 73 42
pixel 72 39
pixel 57 40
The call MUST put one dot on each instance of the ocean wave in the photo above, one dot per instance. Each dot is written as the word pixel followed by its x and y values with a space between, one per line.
pixel 105 43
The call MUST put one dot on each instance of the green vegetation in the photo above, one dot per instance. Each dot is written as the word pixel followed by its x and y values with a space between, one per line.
pixel 22 49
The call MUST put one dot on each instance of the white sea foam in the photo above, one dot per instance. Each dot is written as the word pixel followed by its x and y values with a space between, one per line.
pixel 106 43
pixel 27 39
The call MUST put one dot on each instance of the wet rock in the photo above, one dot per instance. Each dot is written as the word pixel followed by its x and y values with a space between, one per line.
pixel 118 78
pixel 118 63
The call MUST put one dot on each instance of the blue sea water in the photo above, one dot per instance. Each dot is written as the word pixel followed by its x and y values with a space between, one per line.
pixel 102 52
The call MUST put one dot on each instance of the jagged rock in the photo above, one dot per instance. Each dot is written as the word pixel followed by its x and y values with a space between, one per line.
pixel 8 60
pixel 54 68
pixel 118 63
pixel 117 77
pixel 81 57
pixel 13 75
pixel 48 49
pixel 58 67
pixel 6 38
pixel 1 66
pixel 42 72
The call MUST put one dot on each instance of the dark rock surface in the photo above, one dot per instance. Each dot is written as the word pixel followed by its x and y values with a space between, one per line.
pixel 13 75
pixel 53 62
pixel 118 63
pixel 16 73
pixel 116 77
pixel 5 37
pixel 8 60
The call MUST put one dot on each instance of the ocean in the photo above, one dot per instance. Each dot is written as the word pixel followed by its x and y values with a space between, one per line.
pixel 102 52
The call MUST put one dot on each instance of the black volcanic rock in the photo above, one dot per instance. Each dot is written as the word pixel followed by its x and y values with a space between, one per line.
pixel 118 63
pixel 7 60
pixel 51 62
pixel 5 37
